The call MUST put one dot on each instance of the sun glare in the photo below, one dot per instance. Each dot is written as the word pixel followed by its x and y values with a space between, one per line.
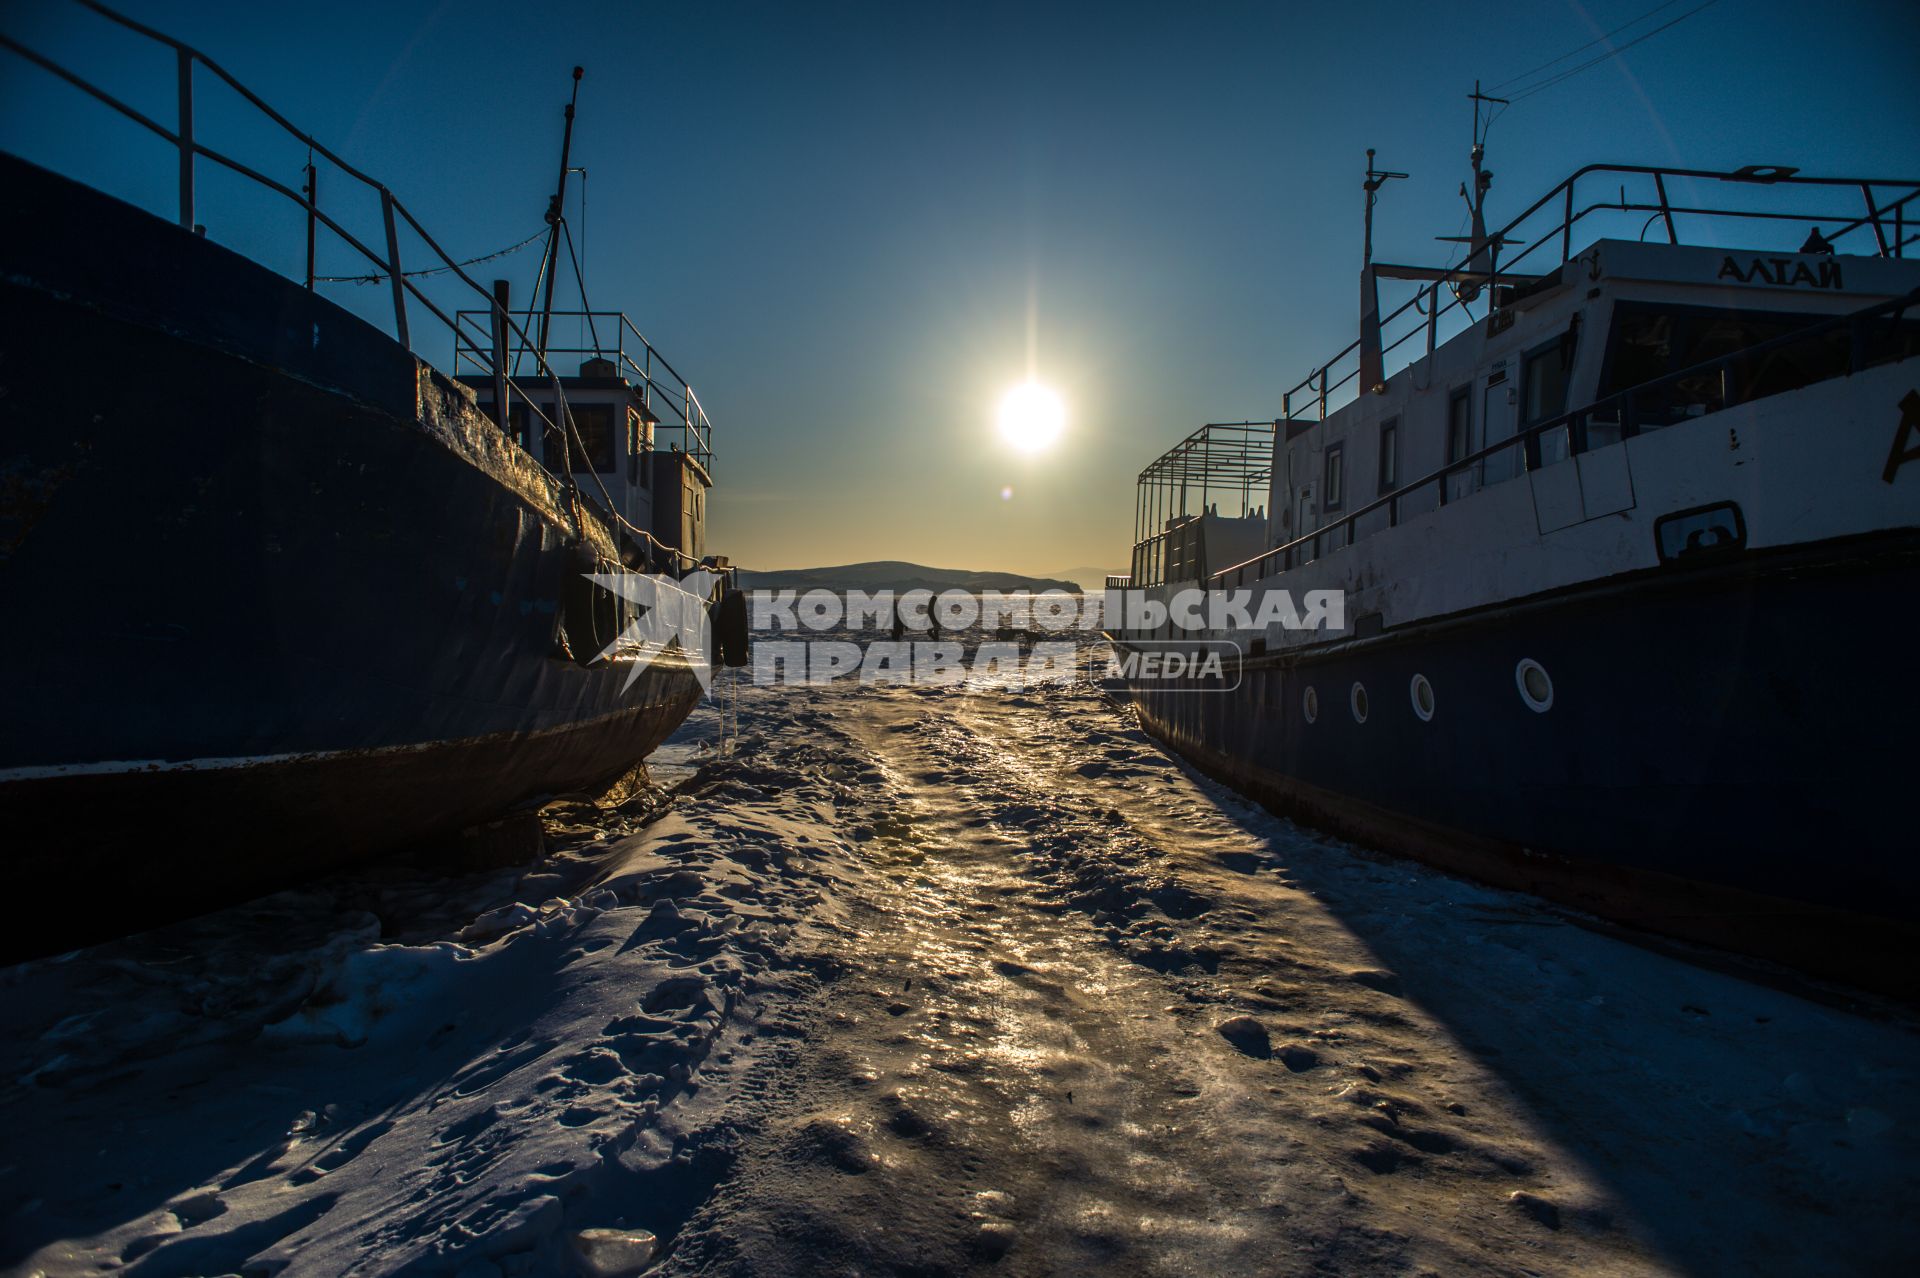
pixel 1031 417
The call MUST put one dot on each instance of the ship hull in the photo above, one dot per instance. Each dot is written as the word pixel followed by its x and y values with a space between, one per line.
pixel 1723 760
pixel 278 597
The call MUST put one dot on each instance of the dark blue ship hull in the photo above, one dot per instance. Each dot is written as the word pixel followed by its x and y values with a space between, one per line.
pixel 277 596
pixel 1728 755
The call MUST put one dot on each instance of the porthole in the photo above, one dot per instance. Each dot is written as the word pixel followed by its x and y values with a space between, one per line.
pixel 1421 690
pixel 1535 684
pixel 1357 702
pixel 1310 703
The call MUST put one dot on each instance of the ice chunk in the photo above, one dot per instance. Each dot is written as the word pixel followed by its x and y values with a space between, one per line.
pixel 371 991
pixel 611 1253
pixel 1247 1035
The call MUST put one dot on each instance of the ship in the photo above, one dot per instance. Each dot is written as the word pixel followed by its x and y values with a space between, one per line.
pixel 1613 528
pixel 281 595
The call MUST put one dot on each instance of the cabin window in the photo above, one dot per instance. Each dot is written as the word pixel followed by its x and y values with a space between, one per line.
pixel 517 423
pixel 594 425
pixel 1460 424
pixel 1544 381
pixel 1649 343
pixel 1389 455
pixel 1335 477
pixel 1545 374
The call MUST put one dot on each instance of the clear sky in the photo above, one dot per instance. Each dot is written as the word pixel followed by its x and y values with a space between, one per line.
pixel 854 227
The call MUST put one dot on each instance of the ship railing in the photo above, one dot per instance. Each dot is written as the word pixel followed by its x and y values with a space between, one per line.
pixel 1875 335
pixel 1221 463
pixel 611 335
pixel 385 261
pixel 1119 581
pixel 1886 215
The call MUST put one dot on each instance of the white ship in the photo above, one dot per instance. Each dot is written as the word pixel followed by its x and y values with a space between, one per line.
pixel 1627 540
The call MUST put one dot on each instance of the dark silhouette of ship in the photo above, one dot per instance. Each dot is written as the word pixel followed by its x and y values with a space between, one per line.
pixel 280 595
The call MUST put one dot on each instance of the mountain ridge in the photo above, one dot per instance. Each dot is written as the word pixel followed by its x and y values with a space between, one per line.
pixel 897 575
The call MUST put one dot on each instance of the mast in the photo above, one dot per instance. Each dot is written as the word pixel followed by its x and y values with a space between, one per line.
pixel 550 264
pixel 1481 249
pixel 1372 374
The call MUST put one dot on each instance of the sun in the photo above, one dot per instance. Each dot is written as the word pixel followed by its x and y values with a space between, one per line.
pixel 1031 417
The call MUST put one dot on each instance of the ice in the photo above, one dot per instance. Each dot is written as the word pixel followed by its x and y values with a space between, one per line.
pixel 384 990
pixel 1246 1034
pixel 925 979
pixel 611 1253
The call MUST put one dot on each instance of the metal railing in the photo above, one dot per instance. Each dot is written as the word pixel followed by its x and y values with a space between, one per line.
pixel 662 389
pixel 1624 412
pixel 1887 219
pixel 393 214
pixel 1220 459
pixel 1224 460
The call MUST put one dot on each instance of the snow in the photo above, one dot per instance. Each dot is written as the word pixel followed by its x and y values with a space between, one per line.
pixel 282 1087
pixel 928 979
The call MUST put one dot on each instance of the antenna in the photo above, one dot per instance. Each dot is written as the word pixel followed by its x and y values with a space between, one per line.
pixel 1372 376
pixel 1376 178
pixel 1482 177
pixel 1480 248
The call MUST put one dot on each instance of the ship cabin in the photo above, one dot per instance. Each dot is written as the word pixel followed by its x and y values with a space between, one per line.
pixel 1510 372
pixel 642 446
pixel 1621 315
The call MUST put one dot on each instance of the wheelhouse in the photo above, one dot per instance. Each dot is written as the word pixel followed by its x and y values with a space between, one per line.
pixel 1523 369
pixel 640 443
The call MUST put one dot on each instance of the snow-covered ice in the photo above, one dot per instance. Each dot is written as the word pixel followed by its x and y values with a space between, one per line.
pixel 283 1086
pixel 930 980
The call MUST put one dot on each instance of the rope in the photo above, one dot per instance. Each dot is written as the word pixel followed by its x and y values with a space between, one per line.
pixel 1590 63
pixel 378 278
pixel 1527 75
pixel 579 277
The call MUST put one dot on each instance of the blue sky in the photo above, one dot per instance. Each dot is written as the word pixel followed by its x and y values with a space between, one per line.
pixel 850 226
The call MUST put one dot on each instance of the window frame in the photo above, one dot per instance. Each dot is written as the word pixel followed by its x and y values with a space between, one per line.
pixel 1458 395
pixel 1387 469
pixel 1333 477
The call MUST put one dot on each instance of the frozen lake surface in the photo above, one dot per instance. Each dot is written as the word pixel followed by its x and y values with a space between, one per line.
pixel 932 981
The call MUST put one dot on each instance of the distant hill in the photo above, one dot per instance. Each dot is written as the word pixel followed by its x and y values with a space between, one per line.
pixel 895 575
